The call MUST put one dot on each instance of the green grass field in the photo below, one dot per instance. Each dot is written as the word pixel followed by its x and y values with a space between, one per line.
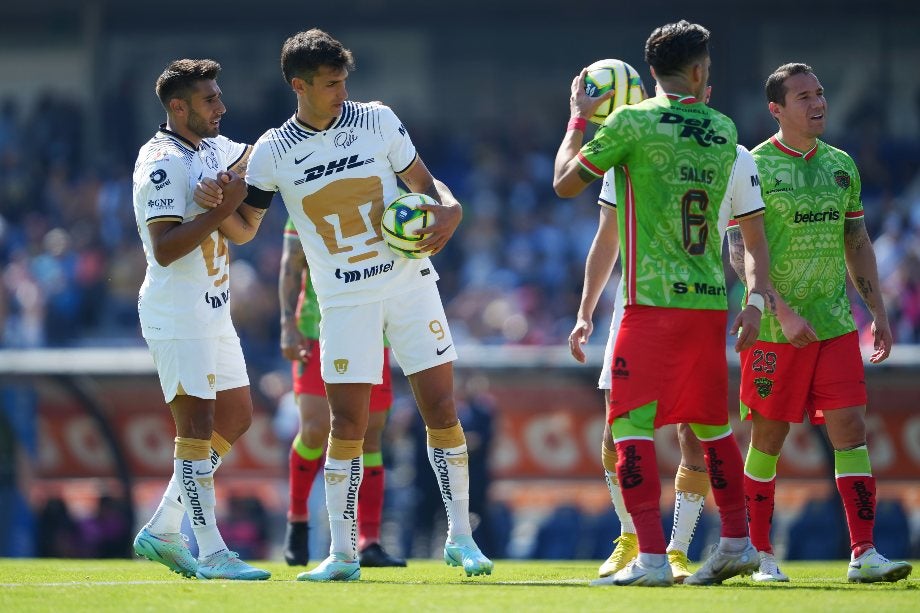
pixel 429 585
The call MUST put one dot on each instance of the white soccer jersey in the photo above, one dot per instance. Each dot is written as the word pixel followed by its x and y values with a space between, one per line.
pixel 190 297
pixel 335 184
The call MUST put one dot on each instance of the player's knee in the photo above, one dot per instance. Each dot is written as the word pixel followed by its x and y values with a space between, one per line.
pixel 440 412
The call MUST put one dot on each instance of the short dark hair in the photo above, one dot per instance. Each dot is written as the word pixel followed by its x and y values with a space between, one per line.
pixel 180 77
pixel 304 53
pixel 674 46
pixel 776 82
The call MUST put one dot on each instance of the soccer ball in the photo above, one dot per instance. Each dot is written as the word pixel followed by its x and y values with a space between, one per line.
pixel 400 219
pixel 604 75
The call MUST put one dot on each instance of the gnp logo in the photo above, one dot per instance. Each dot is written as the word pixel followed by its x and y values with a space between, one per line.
pixel 324 170
pixel 699 130
pixel 818 217
pixel 704 289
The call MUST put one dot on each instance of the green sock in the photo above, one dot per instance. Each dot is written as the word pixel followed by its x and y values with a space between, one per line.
pixel 760 465
pixel 373 460
pixel 852 462
pixel 305 452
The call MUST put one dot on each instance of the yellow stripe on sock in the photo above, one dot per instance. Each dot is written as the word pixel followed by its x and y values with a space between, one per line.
pixel 692 481
pixel 345 450
pixel 609 458
pixel 219 444
pixel 446 438
pixel 192 448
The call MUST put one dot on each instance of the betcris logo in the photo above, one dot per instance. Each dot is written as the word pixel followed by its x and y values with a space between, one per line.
pixel 324 170
pixel 699 130
pixel 703 289
pixel 819 217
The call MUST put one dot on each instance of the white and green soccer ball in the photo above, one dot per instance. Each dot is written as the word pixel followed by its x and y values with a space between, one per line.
pixel 400 221
pixel 617 75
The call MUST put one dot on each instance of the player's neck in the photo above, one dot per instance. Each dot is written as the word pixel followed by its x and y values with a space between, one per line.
pixel 800 142
pixel 677 86
pixel 315 121
pixel 185 133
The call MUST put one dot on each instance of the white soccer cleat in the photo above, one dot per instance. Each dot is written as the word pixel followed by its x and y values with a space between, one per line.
pixel 625 550
pixel 722 565
pixel 463 551
pixel 170 550
pixel 769 571
pixel 873 567
pixel 334 568
pixel 636 574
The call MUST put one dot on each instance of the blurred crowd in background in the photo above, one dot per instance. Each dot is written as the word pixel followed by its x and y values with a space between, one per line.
pixel 71 261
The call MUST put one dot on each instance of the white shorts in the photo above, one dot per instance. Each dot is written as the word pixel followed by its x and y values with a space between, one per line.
pixel 351 337
pixel 604 382
pixel 201 366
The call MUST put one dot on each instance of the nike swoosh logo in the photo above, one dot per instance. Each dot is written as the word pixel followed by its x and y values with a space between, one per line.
pixel 441 351
pixel 298 161
pixel 202 474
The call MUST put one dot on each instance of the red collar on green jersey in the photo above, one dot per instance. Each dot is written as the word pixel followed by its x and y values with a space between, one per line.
pixel 793 152
pixel 682 99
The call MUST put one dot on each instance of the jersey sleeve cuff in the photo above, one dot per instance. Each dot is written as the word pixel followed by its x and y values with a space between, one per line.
pixel 587 165
pixel 410 165
pixel 258 198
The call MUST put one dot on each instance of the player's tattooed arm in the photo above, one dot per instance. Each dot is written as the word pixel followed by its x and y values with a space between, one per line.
pixel 736 252
pixel 290 283
pixel 242 165
pixel 863 269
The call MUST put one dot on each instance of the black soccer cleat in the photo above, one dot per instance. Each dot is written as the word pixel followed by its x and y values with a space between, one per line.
pixel 296 550
pixel 375 555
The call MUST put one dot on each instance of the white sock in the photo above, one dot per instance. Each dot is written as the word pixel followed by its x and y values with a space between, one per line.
pixel 688 507
pixel 652 560
pixel 619 505
pixel 197 481
pixel 451 469
pixel 167 519
pixel 733 545
pixel 343 480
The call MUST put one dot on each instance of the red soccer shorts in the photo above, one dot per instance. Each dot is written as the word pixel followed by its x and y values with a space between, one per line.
pixel 675 357
pixel 307 379
pixel 783 383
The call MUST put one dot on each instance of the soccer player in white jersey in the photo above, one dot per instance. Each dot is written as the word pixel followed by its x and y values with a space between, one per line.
pixel 185 313
pixel 691 484
pixel 335 163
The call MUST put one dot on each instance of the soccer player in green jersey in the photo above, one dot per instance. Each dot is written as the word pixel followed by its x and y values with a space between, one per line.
pixel 814 224
pixel 300 319
pixel 675 158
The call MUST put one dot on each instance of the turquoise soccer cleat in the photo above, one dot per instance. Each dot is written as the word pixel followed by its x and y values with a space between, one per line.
pixel 227 565
pixel 463 551
pixel 873 567
pixel 334 568
pixel 170 550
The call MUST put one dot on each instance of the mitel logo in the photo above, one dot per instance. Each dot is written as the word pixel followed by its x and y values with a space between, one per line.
pixel 631 476
pixel 809 217
pixel 218 300
pixel 160 203
pixel 348 275
pixel 324 170
pixel 619 369
pixel 379 269
pixel 344 139
pixel 697 129
pixel 705 289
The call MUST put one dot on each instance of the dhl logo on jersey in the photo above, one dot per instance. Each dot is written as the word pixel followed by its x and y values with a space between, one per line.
pixel 324 170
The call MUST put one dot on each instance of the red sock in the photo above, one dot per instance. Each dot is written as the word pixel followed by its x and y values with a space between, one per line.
pixel 301 474
pixel 726 474
pixel 858 494
pixel 759 498
pixel 637 470
pixel 370 506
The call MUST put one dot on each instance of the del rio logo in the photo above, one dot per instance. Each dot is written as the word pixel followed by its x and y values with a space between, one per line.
pixel 697 129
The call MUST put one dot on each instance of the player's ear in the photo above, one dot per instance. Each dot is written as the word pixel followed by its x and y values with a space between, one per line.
pixel 177 106
pixel 775 109
pixel 298 85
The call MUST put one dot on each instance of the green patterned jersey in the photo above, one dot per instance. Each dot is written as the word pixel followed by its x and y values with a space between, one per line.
pixel 674 158
pixel 809 196
pixel 307 307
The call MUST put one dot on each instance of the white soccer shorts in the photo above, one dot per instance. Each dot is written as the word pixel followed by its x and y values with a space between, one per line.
pixel 606 378
pixel 351 337
pixel 202 366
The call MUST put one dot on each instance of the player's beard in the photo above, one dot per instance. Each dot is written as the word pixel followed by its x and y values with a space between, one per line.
pixel 201 127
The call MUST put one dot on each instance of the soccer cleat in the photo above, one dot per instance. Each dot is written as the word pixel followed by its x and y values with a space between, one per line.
pixel 769 570
pixel 722 565
pixel 463 551
pixel 227 565
pixel 170 550
pixel 680 565
pixel 626 548
pixel 374 555
pixel 873 567
pixel 296 549
pixel 636 574
pixel 334 568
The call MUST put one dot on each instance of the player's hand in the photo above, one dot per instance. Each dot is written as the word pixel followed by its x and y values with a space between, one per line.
pixel 579 336
pixel 208 193
pixel 748 322
pixel 580 103
pixel 294 346
pixel 234 189
pixel 446 220
pixel 797 330
pixel 883 340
